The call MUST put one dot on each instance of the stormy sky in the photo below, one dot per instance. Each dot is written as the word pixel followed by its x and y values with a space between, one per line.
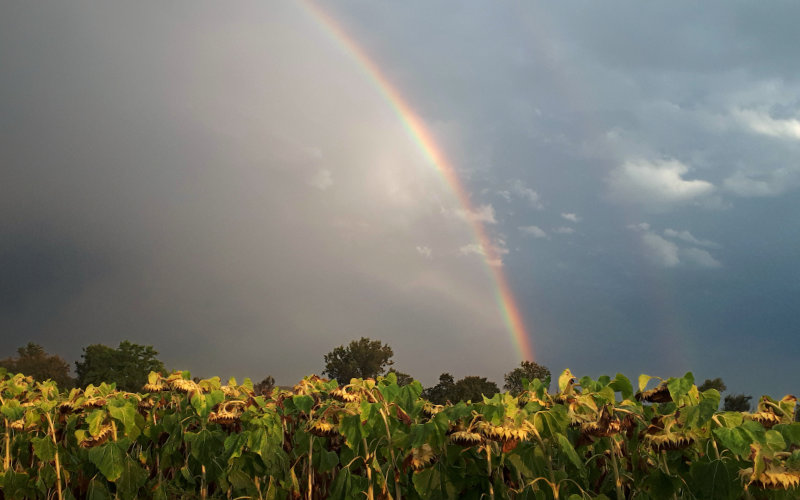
pixel 224 182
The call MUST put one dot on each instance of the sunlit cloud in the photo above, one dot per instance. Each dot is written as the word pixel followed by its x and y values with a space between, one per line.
pixel 534 231
pixel 571 217
pixel 522 191
pixel 689 237
pixel 657 185
pixel 484 213
pixel 425 251
pixel 761 122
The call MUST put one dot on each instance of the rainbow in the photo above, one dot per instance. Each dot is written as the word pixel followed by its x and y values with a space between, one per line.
pixel 424 140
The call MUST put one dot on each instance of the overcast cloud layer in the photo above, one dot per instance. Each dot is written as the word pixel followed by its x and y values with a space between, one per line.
pixel 223 182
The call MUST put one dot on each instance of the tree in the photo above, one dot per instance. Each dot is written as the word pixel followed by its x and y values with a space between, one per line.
pixel 127 365
pixel 716 383
pixel 32 360
pixel 441 392
pixel 468 388
pixel 737 402
pixel 474 388
pixel 264 388
pixel 527 370
pixel 364 358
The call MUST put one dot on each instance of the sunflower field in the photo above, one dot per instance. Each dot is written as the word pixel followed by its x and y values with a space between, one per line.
pixel 591 439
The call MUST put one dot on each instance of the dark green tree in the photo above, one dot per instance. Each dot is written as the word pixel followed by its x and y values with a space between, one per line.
pixel 32 360
pixel 527 370
pixel 364 358
pixel 127 365
pixel 265 387
pixel 474 388
pixel 737 402
pixel 441 392
pixel 468 388
pixel 716 383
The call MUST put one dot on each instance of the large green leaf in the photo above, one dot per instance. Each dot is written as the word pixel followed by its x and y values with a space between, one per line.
pixel 350 427
pixel 622 385
pixel 428 483
pixel 569 451
pixel 204 445
pixel 303 403
pixel 44 448
pixel 130 419
pixel 679 387
pixel 97 490
pixel 790 432
pixel 643 381
pixel 735 440
pixel 132 478
pixel 714 480
pixel 96 419
pixel 108 458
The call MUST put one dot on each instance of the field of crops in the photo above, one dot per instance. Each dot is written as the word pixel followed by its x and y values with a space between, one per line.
pixel 374 439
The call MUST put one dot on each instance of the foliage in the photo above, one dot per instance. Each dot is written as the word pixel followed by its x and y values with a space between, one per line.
pixel 34 361
pixel 591 439
pixel 468 388
pixel 127 365
pixel 527 370
pixel 716 383
pixel 473 388
pixel 363 358
pixel 264 388
pixel 737 402
pixel 402 378
pixel 442 392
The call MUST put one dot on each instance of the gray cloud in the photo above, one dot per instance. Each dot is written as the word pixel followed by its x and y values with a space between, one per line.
pixel 228 185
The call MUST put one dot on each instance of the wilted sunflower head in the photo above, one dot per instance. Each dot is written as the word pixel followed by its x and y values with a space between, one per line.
pixel 227 413
pixel 774 477
pixel 155 387
pixel 66 407
pixel 668 441
pixel 421 457
pixel 341 394
pixel 100 438
pixel 766 418
pixel 430 409
pixel 184 385
pixel 660 394
pixel 322 428
pixel 466 438
pixel 506 432
pixel 94 402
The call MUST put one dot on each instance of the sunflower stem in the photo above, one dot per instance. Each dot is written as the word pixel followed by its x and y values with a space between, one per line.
pixel 310 465
pixel 52 432
pixel 488 448
pixel 397 492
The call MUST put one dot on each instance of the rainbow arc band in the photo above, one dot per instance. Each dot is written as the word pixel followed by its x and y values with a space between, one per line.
pixel 425 142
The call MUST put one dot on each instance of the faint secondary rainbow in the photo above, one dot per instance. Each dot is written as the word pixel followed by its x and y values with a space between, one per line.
pixel 425 141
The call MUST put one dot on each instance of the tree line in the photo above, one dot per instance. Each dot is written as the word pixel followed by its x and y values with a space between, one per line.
pixel 128 365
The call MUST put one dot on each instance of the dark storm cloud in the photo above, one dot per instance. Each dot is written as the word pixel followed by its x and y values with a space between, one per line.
pixel 680 117
pixel 224 183
pixel 183 180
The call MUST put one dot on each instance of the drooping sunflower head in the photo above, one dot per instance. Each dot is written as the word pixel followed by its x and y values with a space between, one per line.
pixel 466 438
pixel 322 428
pixel 101 437
pixel 421 457
pixel 341 394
